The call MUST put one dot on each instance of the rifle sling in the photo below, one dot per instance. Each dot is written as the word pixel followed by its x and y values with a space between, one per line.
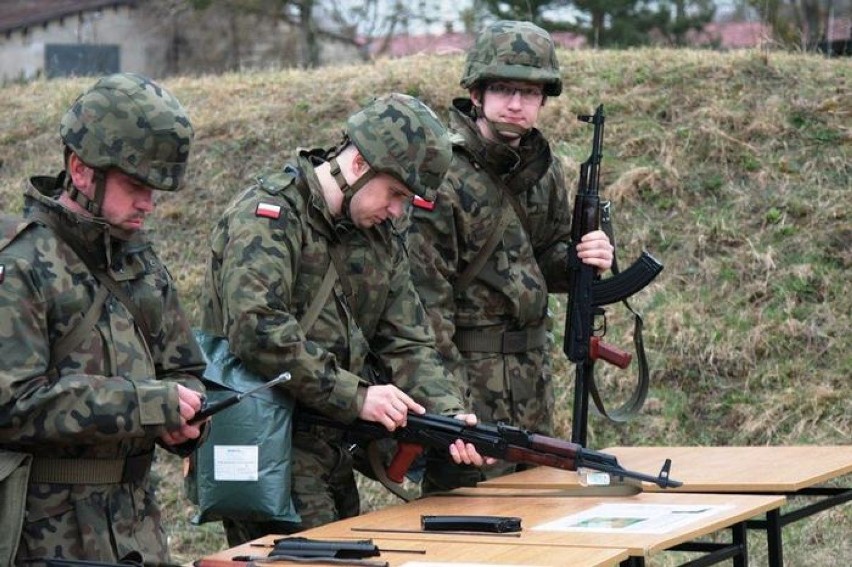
pixel 474 268
pixel 375 458
pixel 631 407
pixel 104 278
pixel 337 266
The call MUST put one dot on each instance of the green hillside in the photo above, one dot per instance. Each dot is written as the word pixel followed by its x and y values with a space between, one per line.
pixel 734 170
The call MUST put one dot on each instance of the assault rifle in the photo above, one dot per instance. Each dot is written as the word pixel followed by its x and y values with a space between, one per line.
pixel 499 441
pixel 588 293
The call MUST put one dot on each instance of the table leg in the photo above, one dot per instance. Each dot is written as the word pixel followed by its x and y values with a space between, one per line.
pixel 773 538
pixel 740 539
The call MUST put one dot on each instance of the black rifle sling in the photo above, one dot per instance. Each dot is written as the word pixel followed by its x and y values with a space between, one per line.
pixel 106 281
pixel 632 406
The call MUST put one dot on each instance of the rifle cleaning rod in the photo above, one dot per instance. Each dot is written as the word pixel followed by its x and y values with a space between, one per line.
pixel 450 532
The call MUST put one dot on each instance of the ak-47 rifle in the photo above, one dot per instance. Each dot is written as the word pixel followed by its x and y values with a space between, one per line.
pixel 588 293
pixel 499 441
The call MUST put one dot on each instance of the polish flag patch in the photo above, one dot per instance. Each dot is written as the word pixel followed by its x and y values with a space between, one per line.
pixel 2 272
pixel 422 203
pixel 268 210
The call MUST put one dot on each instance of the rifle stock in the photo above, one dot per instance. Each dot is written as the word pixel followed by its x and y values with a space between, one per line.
pixel 490 440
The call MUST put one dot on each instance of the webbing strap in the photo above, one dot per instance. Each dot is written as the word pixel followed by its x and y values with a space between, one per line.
pixel 631 407
pixel 472 270
pixel 509 342
pixel 310 316
pixel 51 470
pixel 68 342
pixel 101 275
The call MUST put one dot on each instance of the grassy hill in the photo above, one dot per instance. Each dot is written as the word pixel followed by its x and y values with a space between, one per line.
pixel 733 169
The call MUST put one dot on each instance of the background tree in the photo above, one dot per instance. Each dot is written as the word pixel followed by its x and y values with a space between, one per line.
pixel 355 23
pixel 529 10
pixel 611 23
pixel 800 23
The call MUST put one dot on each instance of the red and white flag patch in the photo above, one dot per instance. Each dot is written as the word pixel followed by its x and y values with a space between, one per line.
pixel 268 210
pixel 422 203
pixel 2 272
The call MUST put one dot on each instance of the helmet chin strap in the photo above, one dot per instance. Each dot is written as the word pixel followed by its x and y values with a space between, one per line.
pixel 347 189
pixel 94 206
pixel 505 132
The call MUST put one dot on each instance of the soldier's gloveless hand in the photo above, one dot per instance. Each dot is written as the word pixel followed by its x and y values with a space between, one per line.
pixel 190 402
pixel 388 405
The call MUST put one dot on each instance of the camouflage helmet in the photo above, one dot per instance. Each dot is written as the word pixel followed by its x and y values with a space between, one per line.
pixel 399 135
pixel 131 123
pixel 513 51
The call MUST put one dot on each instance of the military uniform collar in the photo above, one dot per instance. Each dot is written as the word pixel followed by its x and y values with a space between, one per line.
pixel 319 214
pixel 95 233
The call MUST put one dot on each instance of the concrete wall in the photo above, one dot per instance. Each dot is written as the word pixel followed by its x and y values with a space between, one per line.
pixel 157 44
pixel 22 53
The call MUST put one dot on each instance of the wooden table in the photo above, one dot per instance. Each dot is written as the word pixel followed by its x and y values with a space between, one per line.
pixel 537 508
pixel 789 471
pixel 446 553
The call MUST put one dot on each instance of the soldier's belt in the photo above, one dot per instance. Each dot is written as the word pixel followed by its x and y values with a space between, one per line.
pixel 90 471
pixel 509 342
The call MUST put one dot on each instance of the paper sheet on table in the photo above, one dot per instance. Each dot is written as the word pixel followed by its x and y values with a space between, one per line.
pixel 632 518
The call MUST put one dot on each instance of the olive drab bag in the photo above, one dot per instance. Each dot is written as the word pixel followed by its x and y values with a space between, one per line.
pixel 243 470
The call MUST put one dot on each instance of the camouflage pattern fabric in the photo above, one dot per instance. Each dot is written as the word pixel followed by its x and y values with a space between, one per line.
pixel 269 253
pixel 112 398
pixel 511 291
pixel 513 51
pixel 399 135
pixel 129 122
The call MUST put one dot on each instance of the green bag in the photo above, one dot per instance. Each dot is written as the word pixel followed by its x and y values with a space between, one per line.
pixel 14 476
pixel 242 471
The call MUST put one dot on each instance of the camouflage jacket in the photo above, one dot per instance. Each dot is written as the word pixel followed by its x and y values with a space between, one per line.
pixel 270 251
pixel 111 397
pixel 511 291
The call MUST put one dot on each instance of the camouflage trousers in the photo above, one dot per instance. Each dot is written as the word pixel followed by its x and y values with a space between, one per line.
pixel 323 489
pixel 516 389
pixel 93 522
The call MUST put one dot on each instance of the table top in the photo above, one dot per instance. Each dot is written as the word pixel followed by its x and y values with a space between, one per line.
pixel 710 469
pixel 554 519
pixel 446 553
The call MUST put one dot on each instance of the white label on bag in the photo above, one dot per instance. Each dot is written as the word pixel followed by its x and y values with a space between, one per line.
pixel 235 462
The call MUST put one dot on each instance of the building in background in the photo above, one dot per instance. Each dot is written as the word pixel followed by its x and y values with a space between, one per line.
pixel 57 38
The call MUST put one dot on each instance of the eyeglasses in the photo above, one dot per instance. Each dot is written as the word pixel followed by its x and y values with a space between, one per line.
pixel 506 92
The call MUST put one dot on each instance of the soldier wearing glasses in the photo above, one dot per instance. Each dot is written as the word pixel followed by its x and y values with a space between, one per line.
pixel 494 243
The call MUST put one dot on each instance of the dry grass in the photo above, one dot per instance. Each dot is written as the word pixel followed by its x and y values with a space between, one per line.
pixel 733 169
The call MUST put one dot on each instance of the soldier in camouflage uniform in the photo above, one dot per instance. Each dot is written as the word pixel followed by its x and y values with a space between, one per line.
pixel 270 252
pixel 495 242
pixel 86 387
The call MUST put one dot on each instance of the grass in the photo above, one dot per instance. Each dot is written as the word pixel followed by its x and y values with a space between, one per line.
pixel 733 169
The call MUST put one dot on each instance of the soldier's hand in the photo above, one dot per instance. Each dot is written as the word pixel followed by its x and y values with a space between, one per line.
pixel 190 402
pixel 596 250
pixel 388 405
pixel 466 453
